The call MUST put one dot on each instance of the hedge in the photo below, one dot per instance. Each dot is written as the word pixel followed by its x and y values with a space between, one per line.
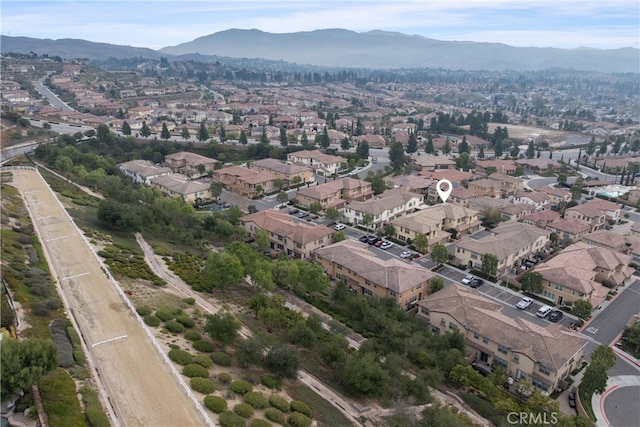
pixel 280 403
pixel 164 314
pixel 215 404
pixel 192 335
pixel 271 381
pixel 296 419
pixel 185 320
pixel 300 406
pixel 203 385
pixel 152 320
pixel 174 326
pixel 220 358
pixel 192 370
pixel 224 378
pixel 258 422
pixel 229 419
pixel 181 357
pixel 203 346
pixel 144 310
pixel 203 361
pixel 256 399
pixel 240 387
pixel 272 414
pixel 244 410
pixel 60 399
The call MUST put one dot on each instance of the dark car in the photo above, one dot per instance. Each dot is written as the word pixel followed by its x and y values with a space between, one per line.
pixel 373 240
pixel 555 316
pixel 476 283
pixel 572 399
pixel 293 211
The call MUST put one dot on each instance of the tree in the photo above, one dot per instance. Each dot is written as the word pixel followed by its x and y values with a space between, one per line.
pixel 421 242
pixel 264 139
pixel 591 148
pixel 439 254
pixel 603 148
pixel 185 134
pixel 367 219
pixel 562 178
pixel 126 129
pixel 389 230
pixel 304 139
pixel 144 130
pixel 446 148
pixel 481 152
pixel 582 309
pixel 164 133
pixel 428 146
pixel 222 133
pixel 203 132
pixel 435 284
pixel 412 145
pixel 595 376
pixel 396 156
pixel 345 144
pixel 576 188
pixel 463 147
pixel 498 149
pixel 215 188
pixel 283 361
pixel 315 208
pixel 282 197
pixel 463 162
pixel 325 142
pixel 222 327
pixel 362 151
pixel 532 282
pixel 338 236
pixel 243 137
pixel 489 264
pixel 363 375
pixel 24 363
pixel 261 239
pixel 332 214
pixel 103 133
pixel 519 171
pixel 283 137
pixel 531 150
pixel 631 335
pixel 302 334
pixel 222 269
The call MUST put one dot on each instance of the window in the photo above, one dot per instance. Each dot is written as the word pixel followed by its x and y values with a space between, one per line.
pixel 500 362
pixel 539 384
pixel 485 340
pixel 443 321
pixel 503 349
pixel 544 369
pixel 516 357
pixel 424 310
pixel 476 336
pixel 453 326
pixel 559 288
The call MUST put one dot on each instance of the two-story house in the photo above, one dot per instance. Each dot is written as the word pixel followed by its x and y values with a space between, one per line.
pixel 191 165
pixel 245 181
pixel 177 185
pixel 335 193
pixel 537 199
pixel 142 171
pixel 321 163
pixel 587 214
pixel 382 208
pixel 541 219
pixel 287 172
pixel 557 195
pixel 507 167
pixel 569 229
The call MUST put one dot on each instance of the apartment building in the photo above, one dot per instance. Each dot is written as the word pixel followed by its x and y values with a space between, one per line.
pixel 335 193
pixel 383 208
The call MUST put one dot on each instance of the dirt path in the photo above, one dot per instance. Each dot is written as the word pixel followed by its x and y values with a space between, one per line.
pixel 136 380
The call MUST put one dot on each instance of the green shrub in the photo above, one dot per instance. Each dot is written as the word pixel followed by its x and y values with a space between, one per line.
pixel 189 301
pixel 271 381
pixel 220 358
pixel 60 399
pixel 203 385
pixel 203 360
pixel 164 314
pixel 174 326
pixel 192 370
pixel 215 404
pixel 256 399
pixel 244 410
pixel 144 310
pixel 192 335
pixel 280 403
pixel 224 378
pixel 78 356
pixel 185 320
pixel 257 422
pixel 203 346
pixel 272 414
pixel 96 416
pixel 229 419
pixel 240 387
pixel 152 320
pixel 181 357
pixel 300 406
pixel 296 419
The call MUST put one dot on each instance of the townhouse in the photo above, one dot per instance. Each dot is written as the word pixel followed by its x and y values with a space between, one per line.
pixel 510 242
pixel 366 274
pixel 570 230
pixel 382 208
pixel 294 238
pixel 321 163
pixel 608 240
pixel 176 185
pixel 587 214
pixel 537 199
pixel 415 183
pixel 558 195
pixel 612 211
pixel 288 172
pixel 336 193
pixel 515 211
pixel 191 165
pixel 579 271
pixel 541 219
pixel 463 196
pixel 245 181
pixel 527 352
pixel 142 171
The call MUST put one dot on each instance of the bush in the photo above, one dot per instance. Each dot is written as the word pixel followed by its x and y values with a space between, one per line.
pixel 271 382
pixel 300 406
pixel 203 385
pixel 256 400
pixel 229 419
pixel 174 326
pixel 272 414
pixel 189 301
pixel 215 404
pixel 257 422
pixel 144 310
pixel 192 370
pixel 203 360
pixel 243 409
pixel 280 403
pixel 220 358
pixel 203 346
pixel 297 419
pixel 224 378
pixel 79 357
pixel 185 320
pixel 181 357
pixel 152 320
pixel 192 335
pixel 240 387
pixel 164 314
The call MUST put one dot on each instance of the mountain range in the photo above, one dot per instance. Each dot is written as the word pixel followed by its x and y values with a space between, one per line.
pixel 349 49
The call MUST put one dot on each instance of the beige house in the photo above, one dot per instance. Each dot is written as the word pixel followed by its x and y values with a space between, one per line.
pixel 537 199
pixel 510 242
pixel 367 274
pixel 176 185
pixel 245 181
pixel 383 208
pixel 335 193
pixel 507 167
pixel 557 195
pixel 541 219
pixel 463 196
pixel 515 211
pixel 608 240
pixel 296 239
pixel 587 214
pixel 569 229
pixel 285 171
pixel 526 351
pixel 612 211
pixel 142 171
pixel 188 164
pixel 321 163
pixel 577 272
pixel 436 223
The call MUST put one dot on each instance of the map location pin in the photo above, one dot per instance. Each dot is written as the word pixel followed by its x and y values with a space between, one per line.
pixel 444 194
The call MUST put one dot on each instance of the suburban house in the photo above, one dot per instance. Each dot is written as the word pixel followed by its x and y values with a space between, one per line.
pixel 176 185
pixel 587 214
pixel 142 171
pixel 515 211
pixel 486 204
pixel 382 208
pixel 287 172
pixel 509 185
pixel 463 196
pixel 510 242
pixel 569 229
pixel 453 175
pixel 335 193
pixel 486 187
pixel 507 167
pixel 367 274
pixel 539 164
pixel 526 351
pixel 437 223
pixel 245 181
pixel 296 239
pixel 415 183
pixel 541 219
pixel 578 271
pixel 537 199
pixel 191 165
pixel 427 162
pixel 321 163
pixel 612 211
pixel 608 240
pixel 557 195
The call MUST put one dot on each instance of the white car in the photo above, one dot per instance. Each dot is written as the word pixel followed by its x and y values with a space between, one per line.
pixel 386 245
pixel 524 303
pixel 467 279
pixel 339 227
pixel 405 254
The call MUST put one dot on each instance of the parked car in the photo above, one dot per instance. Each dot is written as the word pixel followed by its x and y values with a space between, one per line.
pixel 405 255
pixel 373 240
pixel 364 238
pixel 524 303
pixel 476 283
pixel 555 316
pixel 386 245
pixel 572 399
pixel 378 243
pixel 467 279
pixel 293 211
pixel 544 311
pixel 339 227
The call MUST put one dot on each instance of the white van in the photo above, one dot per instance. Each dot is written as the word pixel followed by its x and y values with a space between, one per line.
pixel 543 311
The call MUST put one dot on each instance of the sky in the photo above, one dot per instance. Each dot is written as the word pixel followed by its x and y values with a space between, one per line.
pixel 601 24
